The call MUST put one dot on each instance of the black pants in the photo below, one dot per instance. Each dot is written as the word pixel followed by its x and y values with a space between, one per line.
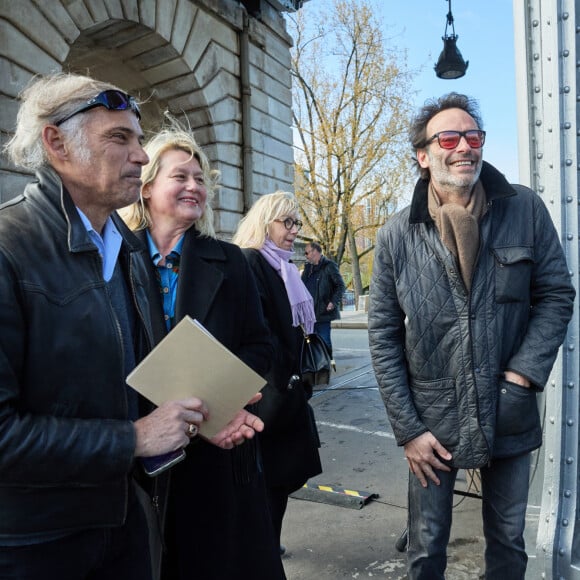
pixel 119 553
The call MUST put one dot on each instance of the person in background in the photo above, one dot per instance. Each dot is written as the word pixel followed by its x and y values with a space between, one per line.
pixel 218 524
pixel 323 280
pixel 74 321
pixel 469 303
pixel 290 442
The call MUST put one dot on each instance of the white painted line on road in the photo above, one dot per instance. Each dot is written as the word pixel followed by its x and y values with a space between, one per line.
pixel 385 434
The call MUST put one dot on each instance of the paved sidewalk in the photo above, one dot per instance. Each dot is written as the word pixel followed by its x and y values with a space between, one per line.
pixel 351 319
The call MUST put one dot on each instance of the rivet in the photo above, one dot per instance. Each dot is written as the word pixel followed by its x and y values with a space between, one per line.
pixel 570 422
pixel 565 53
pixel 567 493
pixel 565 523
pixel 569 162
pixel 535 23
pixel 537 89
pixel 540 155
pixel 538 122
pixel 569 199
pixel 565 15
pixel 570 347
pixel 566 89
pixel 567 125
pixel 570 385
pixel 536 56
pixel 569 460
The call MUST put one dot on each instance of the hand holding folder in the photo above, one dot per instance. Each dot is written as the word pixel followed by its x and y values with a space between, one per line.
pixel 188 362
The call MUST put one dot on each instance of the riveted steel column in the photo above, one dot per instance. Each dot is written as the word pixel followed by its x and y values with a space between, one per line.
pixel 547 40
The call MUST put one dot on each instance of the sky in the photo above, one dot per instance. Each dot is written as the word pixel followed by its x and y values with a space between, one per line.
pixel 485 39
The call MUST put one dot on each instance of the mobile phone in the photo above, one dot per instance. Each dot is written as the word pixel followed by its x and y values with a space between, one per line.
pixel 155 465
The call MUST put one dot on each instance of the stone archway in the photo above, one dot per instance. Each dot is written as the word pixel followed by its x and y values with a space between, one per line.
pixel 178 55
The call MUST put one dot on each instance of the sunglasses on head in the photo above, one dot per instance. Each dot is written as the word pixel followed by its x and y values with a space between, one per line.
pixel 450 139
pixel 112 100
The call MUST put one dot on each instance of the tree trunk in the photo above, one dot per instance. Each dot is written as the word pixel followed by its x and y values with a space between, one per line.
pixel 356 277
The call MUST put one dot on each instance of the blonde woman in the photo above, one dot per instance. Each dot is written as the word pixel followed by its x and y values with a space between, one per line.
pixel 290 441
pixel 218 523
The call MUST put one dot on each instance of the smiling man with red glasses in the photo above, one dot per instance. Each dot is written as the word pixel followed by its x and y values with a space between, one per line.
pixel 469 303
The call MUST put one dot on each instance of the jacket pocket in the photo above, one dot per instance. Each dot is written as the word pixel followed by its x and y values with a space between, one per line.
pixel 436 403
pixel 517 409
pixel 513 270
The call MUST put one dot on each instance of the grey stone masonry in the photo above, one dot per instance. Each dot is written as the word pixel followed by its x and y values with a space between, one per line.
pixel 183 56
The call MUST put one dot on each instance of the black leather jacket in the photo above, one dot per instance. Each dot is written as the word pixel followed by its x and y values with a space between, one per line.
pixel 439 352
pixel 66 445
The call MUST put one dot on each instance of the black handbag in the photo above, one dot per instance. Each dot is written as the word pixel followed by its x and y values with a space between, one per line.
pixel 315 361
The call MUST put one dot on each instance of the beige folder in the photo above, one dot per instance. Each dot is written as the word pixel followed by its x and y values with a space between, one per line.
pixel 190 362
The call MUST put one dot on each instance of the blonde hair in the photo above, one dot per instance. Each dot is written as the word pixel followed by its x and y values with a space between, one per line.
pixel 173 138
pixel 253 228
pixel 45 101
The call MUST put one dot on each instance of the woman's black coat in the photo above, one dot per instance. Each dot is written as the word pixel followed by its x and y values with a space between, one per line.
pixel 289 441
pixel 218 517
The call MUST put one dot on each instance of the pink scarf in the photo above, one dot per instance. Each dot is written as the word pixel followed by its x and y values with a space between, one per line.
pixel 300 299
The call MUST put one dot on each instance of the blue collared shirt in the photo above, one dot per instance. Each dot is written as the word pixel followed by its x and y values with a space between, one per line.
pixel 109 244
pixel 167 276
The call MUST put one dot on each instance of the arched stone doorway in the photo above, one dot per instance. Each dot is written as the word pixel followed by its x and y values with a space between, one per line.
pixel 183 56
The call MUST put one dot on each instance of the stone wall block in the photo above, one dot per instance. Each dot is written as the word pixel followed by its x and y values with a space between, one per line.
pixel 264 184
pixel 98 10
pixel 264 68
pixel 231 177
pixel 229 200
pixel 278 149
pixel 176 87
pixel 184 17
pixel 164 19
pixel 8 112
pixel 25 16
pixel 220 86
pixel 59 17
pixel 23 51
pixel 14 79
pixel 277 103
pixel 147 11
pixel 166 71
pixel 226 223
pixel 131 9
pixel 80 14
pixel 114 9
pixel 154 57
pixel 12 184
pixel 141 45
pixel 216 59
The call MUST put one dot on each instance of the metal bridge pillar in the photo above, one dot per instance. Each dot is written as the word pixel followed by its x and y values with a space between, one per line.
pixel 547 44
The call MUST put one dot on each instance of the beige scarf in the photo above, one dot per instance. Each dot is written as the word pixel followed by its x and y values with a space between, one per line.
pixel 458 227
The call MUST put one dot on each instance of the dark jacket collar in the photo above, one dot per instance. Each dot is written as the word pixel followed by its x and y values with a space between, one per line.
pixel 59 199
pixel 495 184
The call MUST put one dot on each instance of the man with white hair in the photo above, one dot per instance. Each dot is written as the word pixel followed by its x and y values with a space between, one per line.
pixel 74 321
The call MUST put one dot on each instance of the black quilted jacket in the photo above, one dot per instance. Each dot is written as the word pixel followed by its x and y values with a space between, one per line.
pixel 439 352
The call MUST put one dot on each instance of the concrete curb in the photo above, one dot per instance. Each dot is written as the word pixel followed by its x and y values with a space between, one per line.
pixel 349 324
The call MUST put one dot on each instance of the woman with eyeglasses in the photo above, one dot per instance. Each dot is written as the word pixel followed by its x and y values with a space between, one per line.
pixel 218 525
pixel 289 441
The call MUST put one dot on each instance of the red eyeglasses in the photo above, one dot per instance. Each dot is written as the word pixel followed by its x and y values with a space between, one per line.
pixel 450 139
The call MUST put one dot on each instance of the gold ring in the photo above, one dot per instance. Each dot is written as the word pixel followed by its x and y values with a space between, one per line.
pixel 192 430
